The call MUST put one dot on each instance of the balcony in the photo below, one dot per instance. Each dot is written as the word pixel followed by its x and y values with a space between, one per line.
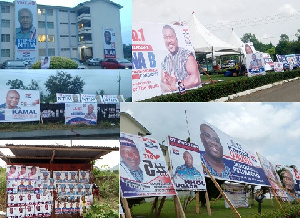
pixel 84 17
pixel 85 30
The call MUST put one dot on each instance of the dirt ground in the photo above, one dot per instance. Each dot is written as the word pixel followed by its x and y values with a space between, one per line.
pixel 287 92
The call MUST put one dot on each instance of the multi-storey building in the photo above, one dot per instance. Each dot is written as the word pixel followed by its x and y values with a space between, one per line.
pixel 68 32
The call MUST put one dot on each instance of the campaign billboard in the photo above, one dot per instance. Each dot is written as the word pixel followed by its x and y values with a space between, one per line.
pixel 88 98
pixel 161 60
pixel 291 59
pixel 269 64
pixel 273 177
pixel 278 67
pixel 109 42
pixel 18 105
pixel 45 62
pixel 26 31
pixel 281 58
pixel 225 157
pixel 255 64
pixel 112 99
pixel 291 180
pixel 143 169
pixel 67 98
pixel 76 113
pixel 186 168
pixel 237 195
pixel 248 48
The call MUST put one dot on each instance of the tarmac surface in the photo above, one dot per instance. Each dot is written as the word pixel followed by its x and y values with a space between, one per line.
pixel 112 133
pixel 287 92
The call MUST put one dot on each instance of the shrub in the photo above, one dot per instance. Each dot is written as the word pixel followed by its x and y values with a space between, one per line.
pixel 58 63
pixel 102 210
pixel 288 211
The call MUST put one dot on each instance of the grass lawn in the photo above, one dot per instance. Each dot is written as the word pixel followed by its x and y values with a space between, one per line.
pixel 205 79
pixel 218 209
pixel 31 126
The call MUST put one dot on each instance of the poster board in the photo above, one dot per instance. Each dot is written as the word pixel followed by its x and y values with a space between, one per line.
pixel 76 113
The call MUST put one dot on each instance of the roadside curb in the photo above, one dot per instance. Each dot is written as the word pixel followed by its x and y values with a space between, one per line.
pixel 250 91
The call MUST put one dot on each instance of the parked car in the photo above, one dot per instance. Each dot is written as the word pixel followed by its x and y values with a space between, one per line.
pixel 15 64
pixel 110 63
pixel 80 65
pixel 93 61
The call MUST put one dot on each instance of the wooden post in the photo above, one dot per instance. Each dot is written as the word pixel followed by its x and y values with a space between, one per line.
pixel 126 208
pixel 217 198
pixel 154 205
pixel 276 198
pixel 162 201
pixel 176 207
pixel 197 202
pixel 271 198
pixel 181 212
pixel 207 203
pixel 221 191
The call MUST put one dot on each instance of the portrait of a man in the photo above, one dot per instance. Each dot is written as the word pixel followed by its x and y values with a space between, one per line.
pixel 90 114
pixel 12 100
pixel 179 65
pixel 288 180
pixel 213 156
pixel 130 160
pixel 26 29
pixel 187 170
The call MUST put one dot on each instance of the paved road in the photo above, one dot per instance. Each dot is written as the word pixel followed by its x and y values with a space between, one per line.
pixel 287 92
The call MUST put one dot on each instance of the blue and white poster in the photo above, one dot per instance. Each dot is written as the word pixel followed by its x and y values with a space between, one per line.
pixel 225 157
pixel 26 31
pixel 186 168
pixel 255 64
pixel 77 113
pixel 143 168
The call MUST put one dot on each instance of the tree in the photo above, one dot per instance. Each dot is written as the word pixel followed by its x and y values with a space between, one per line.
pixel 63 82
pixel 101 92
pixel 249 37
pixel 18 84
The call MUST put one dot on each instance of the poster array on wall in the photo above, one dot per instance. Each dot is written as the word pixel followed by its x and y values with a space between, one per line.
pixel 30 191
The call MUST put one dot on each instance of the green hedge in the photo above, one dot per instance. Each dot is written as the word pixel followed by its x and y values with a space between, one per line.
pixel 288 211
pixel 58 63
pixel 223 89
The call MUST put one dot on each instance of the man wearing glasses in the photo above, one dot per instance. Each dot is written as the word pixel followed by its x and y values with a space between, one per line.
pixel 213 156
pixel 179 65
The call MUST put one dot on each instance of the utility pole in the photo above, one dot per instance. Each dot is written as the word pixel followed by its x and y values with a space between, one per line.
pixel 119 81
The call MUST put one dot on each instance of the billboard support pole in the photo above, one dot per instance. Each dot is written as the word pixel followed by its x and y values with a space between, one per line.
pixel 154 205
pixel 207 203
pixel 126 207
pixel 162 201
pixel 221 191
pixel 197 202
pixel 179 207
pixel 176 207
pixel 217 198
pixel 276 198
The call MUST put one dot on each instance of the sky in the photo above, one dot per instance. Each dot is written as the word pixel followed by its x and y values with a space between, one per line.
pixel 95 80
pixel 112 159
pixel 125 13
pixel 266 19
pixel 271 129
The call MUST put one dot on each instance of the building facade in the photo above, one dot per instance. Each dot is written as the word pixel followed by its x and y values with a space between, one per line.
pixel 67 32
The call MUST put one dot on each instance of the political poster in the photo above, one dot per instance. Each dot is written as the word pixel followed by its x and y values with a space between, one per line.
pixel 143 169
pixel 26 31
pixel 161 60
pixel 278 67
pixel 255 64
pixel 18 105
pixel 282 58
pixel 67 98
pixel 112 99
pixel 109 42
pixel 298 59
pixel 273 177
pixel 237 195
pixel 87 98
pixel 291 181
pixel 291 59
pixel 45 62
pixel 187 171
pixel 248 48
pixel 76 113
pixel 269 64
pixel 225 157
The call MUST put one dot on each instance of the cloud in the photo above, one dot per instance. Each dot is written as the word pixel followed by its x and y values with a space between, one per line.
pixel 287 8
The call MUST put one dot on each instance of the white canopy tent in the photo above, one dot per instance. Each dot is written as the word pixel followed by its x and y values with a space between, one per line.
pixel 204 41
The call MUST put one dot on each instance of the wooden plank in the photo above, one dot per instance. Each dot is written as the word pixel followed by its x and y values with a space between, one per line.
pixel 51 147
pixel 181 212
pixel 162 201
pixel 221 191
pixel 176 207
pixel 197 202
pixel 207 204
pixel 217 198
pixel 154 205
pixel 126 208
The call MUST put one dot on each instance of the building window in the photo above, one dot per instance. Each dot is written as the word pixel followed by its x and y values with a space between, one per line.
pixel 73 23
pixel 74 36
pixel 50 25
pixel 42 52
pixel 5 37
pixel 74 49
pixel 51 52
pixel 5 53
pixel 63 23
pixel 41 11
pixel 50 12
pixel 63 10
pixel 65 49
pixel 62 36
pixel 41 24
pixel 42 38
pixel 5 23
pixel 5 9
pixel 72 12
